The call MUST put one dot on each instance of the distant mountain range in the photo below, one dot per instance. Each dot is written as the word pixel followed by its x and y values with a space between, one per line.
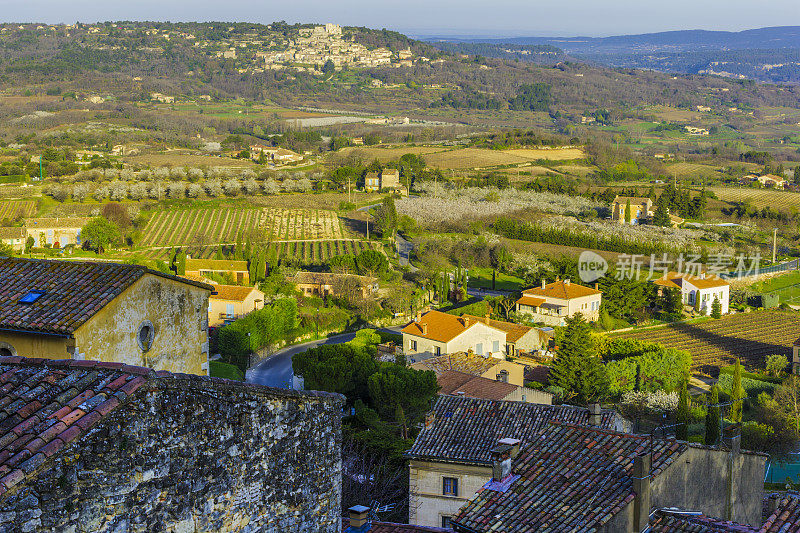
pixel 766 54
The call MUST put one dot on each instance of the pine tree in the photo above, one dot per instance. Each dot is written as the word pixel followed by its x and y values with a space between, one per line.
pixel 712 417
pixel 628 211
pixel 577 369
pixel 682 429
pixel 737 394
pixel 716 308
pixel 661 216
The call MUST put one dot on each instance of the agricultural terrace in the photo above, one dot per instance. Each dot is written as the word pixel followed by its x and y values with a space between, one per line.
pixel 775 199
pixel 715 343
pixel 14 210
pixel 465 158
pixel 305 252
pixel 206 226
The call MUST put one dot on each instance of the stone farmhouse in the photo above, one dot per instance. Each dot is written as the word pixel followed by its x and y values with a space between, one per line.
pixel 89 446
pixel 698 292
pixel 642 211
pixel 553 302
pixel 456 383
pixel 57 232
pixel 229 302
pixel 435 333
pixel 324 284
pixel 389 178
pixel 15 238
pixel 237 271
pixel 474 365
pixel 570 477
pixel 280 156
pixel 105 312
pixel 451 458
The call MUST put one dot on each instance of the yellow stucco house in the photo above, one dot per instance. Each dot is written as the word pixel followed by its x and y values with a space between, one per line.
pixel 57 232
pixel 236 271
pixel 229 302
pixel 436 333
pixel 103 312
pixel 553 302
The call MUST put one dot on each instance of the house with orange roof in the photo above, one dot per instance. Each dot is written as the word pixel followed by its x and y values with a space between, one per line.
pixel 229 302
pixel 435 333
pixel 553 302
pixel 698 292
pixel 519 337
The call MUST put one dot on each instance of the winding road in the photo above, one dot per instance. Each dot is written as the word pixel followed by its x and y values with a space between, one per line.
pixel 276 371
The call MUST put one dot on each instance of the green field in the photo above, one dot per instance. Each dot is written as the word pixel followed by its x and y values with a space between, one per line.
pixel 786 286
pixel 482 278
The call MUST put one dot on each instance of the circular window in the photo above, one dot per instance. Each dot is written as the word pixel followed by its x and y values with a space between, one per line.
pixel 145 335
pixel 6 350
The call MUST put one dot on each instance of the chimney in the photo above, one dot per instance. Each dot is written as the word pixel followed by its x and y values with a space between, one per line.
pixel 566 281
pixel 596 286
pixel 731 437
pixel 424 328
pixel 702 275
pixel 544 283
pixel 772 503
pixel 430 418
pixel 501 461
pixel 358 517
pixel 595 414
pixel 641 487
pixel 465 320
pixel 514 443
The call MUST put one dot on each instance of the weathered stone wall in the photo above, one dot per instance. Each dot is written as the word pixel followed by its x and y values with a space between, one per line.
pixel 188 454
pixel 179 314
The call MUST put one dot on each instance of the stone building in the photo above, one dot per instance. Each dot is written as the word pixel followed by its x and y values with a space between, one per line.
pixel 451 457
pixel 57 232
pixel 229 302
pixel 88 446
pixel 14 237
pixel 569 477
pixel 105 312
pixel 553 302
pixel 236 271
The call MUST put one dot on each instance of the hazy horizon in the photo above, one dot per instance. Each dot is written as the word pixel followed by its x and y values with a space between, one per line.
pixel 442 18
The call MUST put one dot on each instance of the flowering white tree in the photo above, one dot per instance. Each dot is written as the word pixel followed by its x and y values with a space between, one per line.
pixel 156 190
pixel 251 186
pixel 213 187
pixel 271 187
pixel 137 191
pixel 194 190
pixel 80 192
pixel 232 187
pixel 304 185
pixel 117 190
pixel 176 189
pixel 195 174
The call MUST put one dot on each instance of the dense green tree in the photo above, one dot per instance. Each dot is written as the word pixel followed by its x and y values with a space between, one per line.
pixel 671 302
pixel 623 298
pixel 577 369
pixel 682 429
pixel 661 216
pixel 386 217
pixel 100 233
pixel 343 264
pixel 716 308
pixel 329 67
pixel 402 394
pixel 371 262
pixel 712 417
pixel 341 368
pixel 737 394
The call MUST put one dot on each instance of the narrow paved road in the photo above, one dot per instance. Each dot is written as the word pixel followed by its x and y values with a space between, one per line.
pixel 404 248
pixel 277 370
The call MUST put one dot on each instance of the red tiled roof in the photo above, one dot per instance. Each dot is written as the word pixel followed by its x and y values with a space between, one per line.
pixel 73 291
pixel 786 518
pixel 442 327
pixel 391 527
pixel 454 382
pixel 466 429
pixel 514 332
pixel 678 521
pixel 674 280
pixel 564 290
pixel 47 404
pixel 234 293
pixel 572 478
pixel 531 301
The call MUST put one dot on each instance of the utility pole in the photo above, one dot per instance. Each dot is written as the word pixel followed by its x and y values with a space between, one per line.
pixel 774 243
pixel 348 191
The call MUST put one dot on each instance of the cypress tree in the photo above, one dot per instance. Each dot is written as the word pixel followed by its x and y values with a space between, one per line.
pixel 716 308
pixel 737 394
pixel 628 211
pixel 712 418
pixel 576 368
pixel 661 216
pixel 682 429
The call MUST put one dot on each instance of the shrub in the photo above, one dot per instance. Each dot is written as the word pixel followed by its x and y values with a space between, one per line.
pixel 650 402
pixel 752 387
pixel 654 366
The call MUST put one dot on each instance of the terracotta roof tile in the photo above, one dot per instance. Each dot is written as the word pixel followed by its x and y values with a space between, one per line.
pixel 441 327
pixel 514 332
pixel 232 293
pixel 469 363
pixel 455 383
pixel 560 289
pixel 73 292
pixel 675 280
pixel 680 521
pixel 786 518
pixel 571 478
pixel 465 429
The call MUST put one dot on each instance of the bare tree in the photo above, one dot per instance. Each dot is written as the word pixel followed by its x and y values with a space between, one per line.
pixel 371 479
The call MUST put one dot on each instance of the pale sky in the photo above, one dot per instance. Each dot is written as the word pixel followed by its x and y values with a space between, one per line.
pixel 440 17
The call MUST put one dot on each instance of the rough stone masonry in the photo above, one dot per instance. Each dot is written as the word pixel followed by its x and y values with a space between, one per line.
pixel 104 447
